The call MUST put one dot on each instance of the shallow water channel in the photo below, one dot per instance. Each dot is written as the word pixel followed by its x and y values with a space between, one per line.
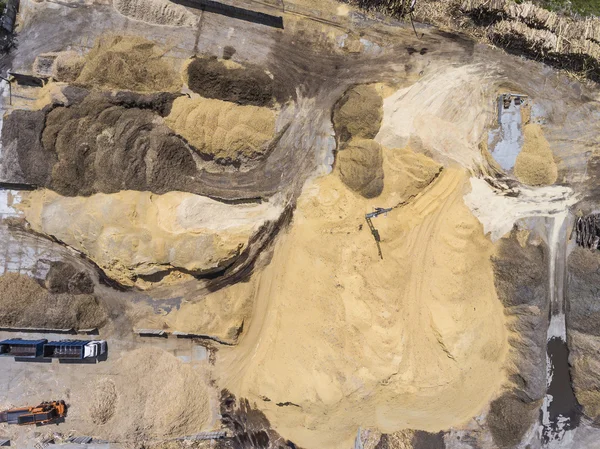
pixel 561 413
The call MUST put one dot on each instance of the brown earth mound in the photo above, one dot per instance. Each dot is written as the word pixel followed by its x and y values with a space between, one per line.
pixel 96 146
pixel 509 418
pixel 128 63
pixel 583 316
pixel 24 303
pixel 358 113
pixel 248 85
pixel 221 130
pixel 65 278
pixel 360 166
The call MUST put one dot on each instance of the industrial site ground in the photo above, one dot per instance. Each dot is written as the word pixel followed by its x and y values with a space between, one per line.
pixel 303 224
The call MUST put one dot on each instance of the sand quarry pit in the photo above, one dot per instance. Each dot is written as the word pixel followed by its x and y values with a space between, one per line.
pixel 320 206
pixel 395 351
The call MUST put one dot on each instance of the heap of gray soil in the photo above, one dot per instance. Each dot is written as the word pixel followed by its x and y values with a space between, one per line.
pixel 248 85
pixel 25 303
pixel 521 280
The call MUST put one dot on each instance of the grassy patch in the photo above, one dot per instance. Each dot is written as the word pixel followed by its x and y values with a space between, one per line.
pixel 581 7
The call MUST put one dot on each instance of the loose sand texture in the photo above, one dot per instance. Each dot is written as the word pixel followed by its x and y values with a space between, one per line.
pixel 222 130
pixel 535 164
pixel 360 166
pixel 25 303
pixel 358 113
pixel 51 93
pixel 133 234
pixel 406 174
pixel 446 112
pixel 416 340
pixel 128 63
pixel 213 78
pixel 67 66
pixel 220 314
pixel 159 12
pixel 150 395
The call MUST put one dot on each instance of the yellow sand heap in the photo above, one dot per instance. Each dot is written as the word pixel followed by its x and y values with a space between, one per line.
pixel 535 164
pixel 417 340
pixel 223 130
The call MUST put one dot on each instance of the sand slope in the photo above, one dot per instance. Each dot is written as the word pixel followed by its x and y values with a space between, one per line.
pixel 535 164
pixel 414 341
pixel 130 234
pixel 222 130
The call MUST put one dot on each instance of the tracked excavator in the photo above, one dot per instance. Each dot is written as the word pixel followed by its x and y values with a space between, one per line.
pixel 45 413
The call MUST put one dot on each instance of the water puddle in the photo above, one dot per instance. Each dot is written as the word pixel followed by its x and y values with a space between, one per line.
pixel 506 141
pixel 560 413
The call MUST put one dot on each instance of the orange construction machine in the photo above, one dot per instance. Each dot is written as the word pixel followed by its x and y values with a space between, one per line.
pixel 45 413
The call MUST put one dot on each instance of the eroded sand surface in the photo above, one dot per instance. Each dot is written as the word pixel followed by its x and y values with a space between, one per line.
pixel 131 234
pixel 416 340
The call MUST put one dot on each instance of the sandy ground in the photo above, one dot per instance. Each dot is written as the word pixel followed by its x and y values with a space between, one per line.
pixel 413 340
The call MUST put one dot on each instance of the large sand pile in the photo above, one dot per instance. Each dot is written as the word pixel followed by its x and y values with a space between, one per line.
pixel 212 78
pixel 221 130
pixel 128 63
pixel 159 12
pixel 135 234
pixel 535 164
pixel 406 174
pixel 358 113
pixel 25 303
pixel 152 396
pixel 416 340
pixel 360 165
pixel 220 314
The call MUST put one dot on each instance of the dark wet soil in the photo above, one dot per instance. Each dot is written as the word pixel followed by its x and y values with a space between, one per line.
pixel 249 427
pixel 63 277
pixel 521 280
pixel 564 410
pixel 428 440
pixel 249 85
pixel 509 418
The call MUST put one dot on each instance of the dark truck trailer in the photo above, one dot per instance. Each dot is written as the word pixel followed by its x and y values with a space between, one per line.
pixel 18 347
pixel 74 349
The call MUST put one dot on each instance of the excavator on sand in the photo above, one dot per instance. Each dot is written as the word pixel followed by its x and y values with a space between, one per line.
pixel 45 413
